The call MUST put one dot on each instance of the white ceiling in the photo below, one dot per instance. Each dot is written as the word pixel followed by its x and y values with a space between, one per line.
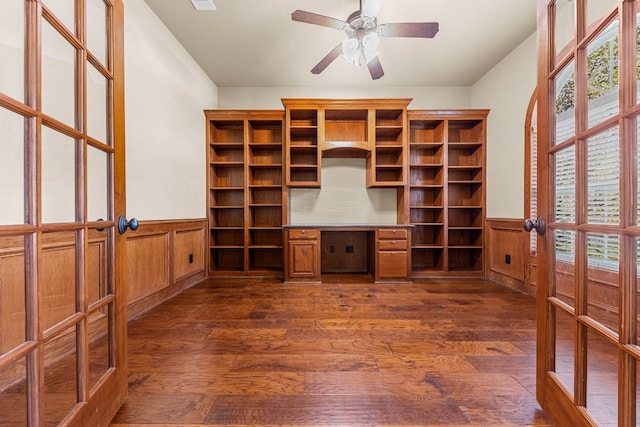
pixel 254 43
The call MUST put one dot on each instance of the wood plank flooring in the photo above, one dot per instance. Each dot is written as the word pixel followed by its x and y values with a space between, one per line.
pixel 345 353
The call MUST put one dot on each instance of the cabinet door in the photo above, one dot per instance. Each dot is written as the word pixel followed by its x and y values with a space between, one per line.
pixel 304 259
pixel 392 265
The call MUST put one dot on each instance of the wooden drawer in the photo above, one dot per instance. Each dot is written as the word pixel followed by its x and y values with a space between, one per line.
pixel 392 233
pixel 393 265
pixel 392 245
pixel 303 233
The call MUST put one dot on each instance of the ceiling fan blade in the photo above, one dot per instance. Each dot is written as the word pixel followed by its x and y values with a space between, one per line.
pixel 375 68
pixel 328 59
pixel 316 19
pixel 371 8
pixel 410 29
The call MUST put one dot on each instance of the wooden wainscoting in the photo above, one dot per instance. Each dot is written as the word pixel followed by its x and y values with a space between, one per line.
pixel 165 257
pixel 507 257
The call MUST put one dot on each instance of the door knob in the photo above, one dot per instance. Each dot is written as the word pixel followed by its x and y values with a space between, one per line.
pixel 123 224
pixel 538 224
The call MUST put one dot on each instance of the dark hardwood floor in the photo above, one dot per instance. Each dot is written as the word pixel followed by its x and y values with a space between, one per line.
pixel 345 353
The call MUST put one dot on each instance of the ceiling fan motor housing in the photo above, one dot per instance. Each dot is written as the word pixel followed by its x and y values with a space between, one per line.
pixel 357 21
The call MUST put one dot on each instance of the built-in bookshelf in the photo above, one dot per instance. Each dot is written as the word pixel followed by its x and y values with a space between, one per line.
pixel 374 129
pixel 303 154
pixel 446 190
pixel 245 189
pixel 389 149
pixel 434 158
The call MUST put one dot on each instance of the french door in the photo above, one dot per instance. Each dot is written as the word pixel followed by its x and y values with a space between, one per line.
pixel 588 133
pixel 62 299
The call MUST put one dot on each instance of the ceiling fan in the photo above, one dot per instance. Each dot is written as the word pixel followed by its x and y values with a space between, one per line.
pixel 363 33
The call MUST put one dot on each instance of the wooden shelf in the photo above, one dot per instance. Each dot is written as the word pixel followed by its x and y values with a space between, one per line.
pixel 371 129
pixel 302 151
pixel 245 186
pixel 446 190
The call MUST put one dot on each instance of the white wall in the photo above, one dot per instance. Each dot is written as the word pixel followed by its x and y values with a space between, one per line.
pixel 166 93
pixel 270 97
pixel 507 90
pixel 344 197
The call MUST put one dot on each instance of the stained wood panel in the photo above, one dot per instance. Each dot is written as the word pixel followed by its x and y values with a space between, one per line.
pixel 148 268
pixel 507 251
pixel 188 254
pixel 344 252
pixel 505 237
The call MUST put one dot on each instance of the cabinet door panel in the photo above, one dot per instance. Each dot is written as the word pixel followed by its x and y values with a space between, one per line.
pixel 304 259
pixel 392 265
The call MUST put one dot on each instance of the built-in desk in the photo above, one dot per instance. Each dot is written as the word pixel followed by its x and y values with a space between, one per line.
pixel 387 250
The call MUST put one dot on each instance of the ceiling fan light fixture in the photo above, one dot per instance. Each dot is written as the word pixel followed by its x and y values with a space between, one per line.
pixel 351 51
pixel 370 43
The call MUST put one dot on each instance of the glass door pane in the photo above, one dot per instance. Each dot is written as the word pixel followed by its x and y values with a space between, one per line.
pixel 565 333
pixel 96 38
pixel 565 186
pixel 596 9
pixel 97 117
pixel 603 290
pixel 13 308
pixel 603 176
pixel 563 26
pixel 603 75
pixel 12 49
pixel 13 397
pixel 60 376
pixel 602 380
pixel 58 76
pixel 97 184
pixel 12 164
pixel 58 177
pixel 64 11
pixel 565 120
